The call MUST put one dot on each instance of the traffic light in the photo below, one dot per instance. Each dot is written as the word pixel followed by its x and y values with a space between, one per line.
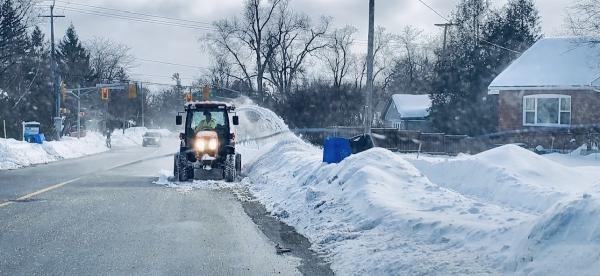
pixel 206 93
pixel 104 93
pixel 188 97
pixel 132 90
pixel 63 90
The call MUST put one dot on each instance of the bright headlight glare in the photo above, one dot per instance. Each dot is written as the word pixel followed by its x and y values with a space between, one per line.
pixel 200 145
pixel 212 144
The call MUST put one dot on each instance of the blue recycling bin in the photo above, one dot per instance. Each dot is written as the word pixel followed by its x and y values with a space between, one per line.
pixel 335 149
pixel 39 138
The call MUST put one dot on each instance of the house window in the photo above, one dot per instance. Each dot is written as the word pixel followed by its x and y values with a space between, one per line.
pixel 547 110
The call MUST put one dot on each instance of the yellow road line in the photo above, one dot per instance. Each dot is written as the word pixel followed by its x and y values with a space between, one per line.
pixel 56 186
pixel 27 196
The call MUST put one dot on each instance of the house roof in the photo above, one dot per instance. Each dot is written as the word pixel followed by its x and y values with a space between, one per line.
pixel 412 106
pixel 553 63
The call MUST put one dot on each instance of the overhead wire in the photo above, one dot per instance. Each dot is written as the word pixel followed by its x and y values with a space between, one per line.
pixel 482 40
pixel 134 13
pixel 135 19
pixel 172 63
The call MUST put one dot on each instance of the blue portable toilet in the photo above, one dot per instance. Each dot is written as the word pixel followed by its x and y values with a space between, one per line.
pixel 335 149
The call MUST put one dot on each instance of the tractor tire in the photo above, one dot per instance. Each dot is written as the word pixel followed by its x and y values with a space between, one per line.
pixel 230 172
pixel 238 163
pixel 180 170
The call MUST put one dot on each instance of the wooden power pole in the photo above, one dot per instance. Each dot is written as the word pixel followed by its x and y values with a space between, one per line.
pixel 370 81
pixel 53 66
pixel 445 26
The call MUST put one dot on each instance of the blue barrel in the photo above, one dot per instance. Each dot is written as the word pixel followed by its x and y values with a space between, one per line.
pixel 39 138
pixel 336 149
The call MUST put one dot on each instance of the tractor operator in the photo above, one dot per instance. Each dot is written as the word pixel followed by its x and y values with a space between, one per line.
pixel 208 123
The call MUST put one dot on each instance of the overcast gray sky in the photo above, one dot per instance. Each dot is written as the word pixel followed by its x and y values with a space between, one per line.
pixel 177 44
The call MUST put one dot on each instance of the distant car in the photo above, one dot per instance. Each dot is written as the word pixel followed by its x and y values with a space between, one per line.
pixel 151 139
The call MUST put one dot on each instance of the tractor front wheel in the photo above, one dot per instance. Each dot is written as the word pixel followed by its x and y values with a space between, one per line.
pixel 230 170
pixel 180 170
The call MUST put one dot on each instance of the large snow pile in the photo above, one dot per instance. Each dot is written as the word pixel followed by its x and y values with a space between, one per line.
pixel 510 176
pixel 505 211
pixel 16 154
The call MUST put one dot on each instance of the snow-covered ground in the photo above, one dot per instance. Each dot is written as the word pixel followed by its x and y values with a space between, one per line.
pixel 504 211
pixel 16 154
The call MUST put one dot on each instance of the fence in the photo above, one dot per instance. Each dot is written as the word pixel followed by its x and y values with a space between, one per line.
pixel 440 143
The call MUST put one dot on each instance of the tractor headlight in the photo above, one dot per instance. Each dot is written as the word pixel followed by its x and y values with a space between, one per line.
pixel 200 145
pixel 213 144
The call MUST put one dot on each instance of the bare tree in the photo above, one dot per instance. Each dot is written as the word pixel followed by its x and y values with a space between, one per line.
pixel 408 41
pixel 294 39
pixel 383 55
pixel 252 33
pixel 584 18
pixel 221 71
pixel 338 55
pixel 109 60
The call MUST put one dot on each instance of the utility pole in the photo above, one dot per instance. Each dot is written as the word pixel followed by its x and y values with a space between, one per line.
pixel 143 102
pixel 370 81
pixel 78 111
pixel 445 26
pixel 53 67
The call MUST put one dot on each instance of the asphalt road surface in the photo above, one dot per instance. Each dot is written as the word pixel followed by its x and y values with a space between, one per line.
pixel 102 215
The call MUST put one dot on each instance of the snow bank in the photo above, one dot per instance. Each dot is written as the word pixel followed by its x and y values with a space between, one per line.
pixel 16 154
pixel 510 176
pixel 504 211
pixel 375 213
pixel 564 241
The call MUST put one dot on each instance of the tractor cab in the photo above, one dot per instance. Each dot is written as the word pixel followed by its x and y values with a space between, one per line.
pixel 207 150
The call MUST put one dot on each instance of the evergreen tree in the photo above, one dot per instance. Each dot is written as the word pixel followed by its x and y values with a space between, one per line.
pixel 482 45
pixel 13 49
pixel 37 104
pixel 73 60
pixel 13 35
pixel 74 68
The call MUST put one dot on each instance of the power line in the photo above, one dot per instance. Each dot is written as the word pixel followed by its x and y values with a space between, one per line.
pixel 160 76
pixel 134 13
pixel 432 9
pixel 483 40
pixel 172 63
pixel 136 19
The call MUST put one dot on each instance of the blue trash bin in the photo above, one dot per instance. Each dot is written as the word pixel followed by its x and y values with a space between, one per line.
pixel 39 138
pixel 335 149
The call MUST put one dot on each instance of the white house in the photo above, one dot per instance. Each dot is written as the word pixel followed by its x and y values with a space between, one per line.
pixel 407 112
